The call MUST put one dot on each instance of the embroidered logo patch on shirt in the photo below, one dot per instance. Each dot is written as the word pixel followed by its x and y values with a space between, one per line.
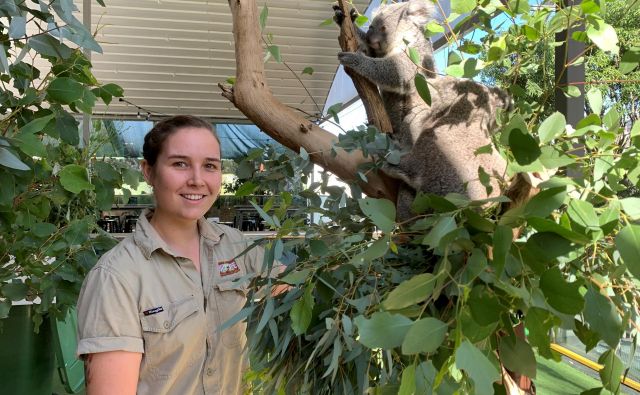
pixel 227 268
pixel 154 310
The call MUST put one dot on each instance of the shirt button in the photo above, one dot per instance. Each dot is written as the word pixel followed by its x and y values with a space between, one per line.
pixel 166 325
pixel 209 372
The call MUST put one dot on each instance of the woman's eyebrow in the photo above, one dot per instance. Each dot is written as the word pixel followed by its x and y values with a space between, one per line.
pixel 208 159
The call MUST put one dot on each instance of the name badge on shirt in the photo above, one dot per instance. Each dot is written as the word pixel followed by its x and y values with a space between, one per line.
pixel 154 310
pixel 227 268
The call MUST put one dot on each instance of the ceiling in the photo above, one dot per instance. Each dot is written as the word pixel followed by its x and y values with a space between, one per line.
pixel 170 55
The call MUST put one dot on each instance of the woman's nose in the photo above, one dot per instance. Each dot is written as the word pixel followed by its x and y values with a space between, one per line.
pixel 196 178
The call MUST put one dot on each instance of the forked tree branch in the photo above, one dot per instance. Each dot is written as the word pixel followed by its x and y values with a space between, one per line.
pixel 253 97
pixel 367 90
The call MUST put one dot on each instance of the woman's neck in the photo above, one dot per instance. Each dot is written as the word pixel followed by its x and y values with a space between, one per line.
pixel 182 236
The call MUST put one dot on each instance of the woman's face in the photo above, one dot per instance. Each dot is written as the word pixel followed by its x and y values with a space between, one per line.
pixel 187 175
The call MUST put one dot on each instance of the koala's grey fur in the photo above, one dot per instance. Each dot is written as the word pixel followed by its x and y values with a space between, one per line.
pixel 440 139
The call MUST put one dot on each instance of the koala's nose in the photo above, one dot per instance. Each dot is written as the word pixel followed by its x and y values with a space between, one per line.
pixel 373 42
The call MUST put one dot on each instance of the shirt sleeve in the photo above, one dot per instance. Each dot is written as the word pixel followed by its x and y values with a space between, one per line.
pixel 108 318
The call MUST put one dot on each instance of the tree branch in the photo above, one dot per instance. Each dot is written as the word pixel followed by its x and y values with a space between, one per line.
pixel 253 97
pixel 367 90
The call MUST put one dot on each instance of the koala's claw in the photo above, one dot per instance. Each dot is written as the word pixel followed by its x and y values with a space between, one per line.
pixel 338 15
pixel 349 59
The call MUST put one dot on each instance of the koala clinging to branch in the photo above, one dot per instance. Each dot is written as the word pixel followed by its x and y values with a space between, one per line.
pixel 440 139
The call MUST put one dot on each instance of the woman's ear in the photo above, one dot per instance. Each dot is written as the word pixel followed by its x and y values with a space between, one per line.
pixel 147 171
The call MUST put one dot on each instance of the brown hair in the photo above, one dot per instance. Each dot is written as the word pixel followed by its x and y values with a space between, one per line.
pixel 154 140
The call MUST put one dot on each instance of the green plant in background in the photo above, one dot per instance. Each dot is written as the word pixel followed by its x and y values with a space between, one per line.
pixel 432 306
pixel 53 186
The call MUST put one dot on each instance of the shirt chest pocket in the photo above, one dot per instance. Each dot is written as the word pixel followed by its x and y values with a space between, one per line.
pixel 230 299
pixel 167 329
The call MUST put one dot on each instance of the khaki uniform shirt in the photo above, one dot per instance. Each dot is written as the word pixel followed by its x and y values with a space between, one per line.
pixel 141 297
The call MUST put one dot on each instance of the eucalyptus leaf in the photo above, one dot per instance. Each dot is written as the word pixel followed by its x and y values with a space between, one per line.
pixel 583 213
pixel 524 147
pixel 594 96
pixel 10 160
pixel 477 366
pixel 77 231
pixel 246 189
pixel 546 202
pixel 65 90
pixel 36 125
pixel 602 317
pixel 67 126
pixel 444 226
pixel 43 229
pixel 519 6
pixel 15 291
pixel 545 225
pixel 631 207
pixel 296 277
pixel 628 244
pixel 75 179
pixel 408 381
pixel 612 371
pixel 560 294
pixel 425 336
pixel 318 247
pixel 517 356
pixel 49 46
pixel 264 14
pixel 552 127
pixel 383 330
pixel 603 35
pixel 462 6
pixel 415 290
pixel 539 323
pixel 423 88
pixel 382 212
pixel 630 60
pixel 502 237
pixel 4 61
pixel 376 250
pixel 484 306
pixel 302 311
pixel 274 50
pixel 267 313
pixel 18 27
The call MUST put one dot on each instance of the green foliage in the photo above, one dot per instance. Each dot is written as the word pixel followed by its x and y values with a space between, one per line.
pixel 433 305
pixel 52 184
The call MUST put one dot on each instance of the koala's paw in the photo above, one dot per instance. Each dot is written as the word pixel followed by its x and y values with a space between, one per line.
pixel 399 173
pixel 350 59
pixel 338 15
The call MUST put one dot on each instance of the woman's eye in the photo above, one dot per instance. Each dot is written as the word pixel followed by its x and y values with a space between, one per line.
pixel 211 166
pixel 180 164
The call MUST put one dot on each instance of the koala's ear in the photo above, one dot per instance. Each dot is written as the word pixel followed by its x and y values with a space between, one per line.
pixel 420 11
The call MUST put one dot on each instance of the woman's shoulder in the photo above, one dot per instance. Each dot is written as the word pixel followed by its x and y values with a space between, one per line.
pixel 121 258
pixel 222 230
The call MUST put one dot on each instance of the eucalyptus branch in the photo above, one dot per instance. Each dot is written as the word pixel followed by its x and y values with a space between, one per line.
pixel 33 35
pixel 298 78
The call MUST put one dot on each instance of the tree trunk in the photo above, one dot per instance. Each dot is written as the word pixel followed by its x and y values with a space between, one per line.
pixel 253 97
pixel 367 90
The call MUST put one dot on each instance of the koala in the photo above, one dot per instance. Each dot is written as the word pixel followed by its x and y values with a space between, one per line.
pixel 440 139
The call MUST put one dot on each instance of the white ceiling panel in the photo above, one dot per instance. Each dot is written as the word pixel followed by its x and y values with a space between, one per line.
pixel 170 55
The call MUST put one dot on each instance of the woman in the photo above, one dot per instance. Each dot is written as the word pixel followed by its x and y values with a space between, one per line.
pixel 149 311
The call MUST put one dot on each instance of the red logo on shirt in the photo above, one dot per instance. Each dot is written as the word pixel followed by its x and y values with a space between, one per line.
pixel 227 268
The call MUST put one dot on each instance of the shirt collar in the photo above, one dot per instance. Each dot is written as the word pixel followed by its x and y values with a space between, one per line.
pixel 148 240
